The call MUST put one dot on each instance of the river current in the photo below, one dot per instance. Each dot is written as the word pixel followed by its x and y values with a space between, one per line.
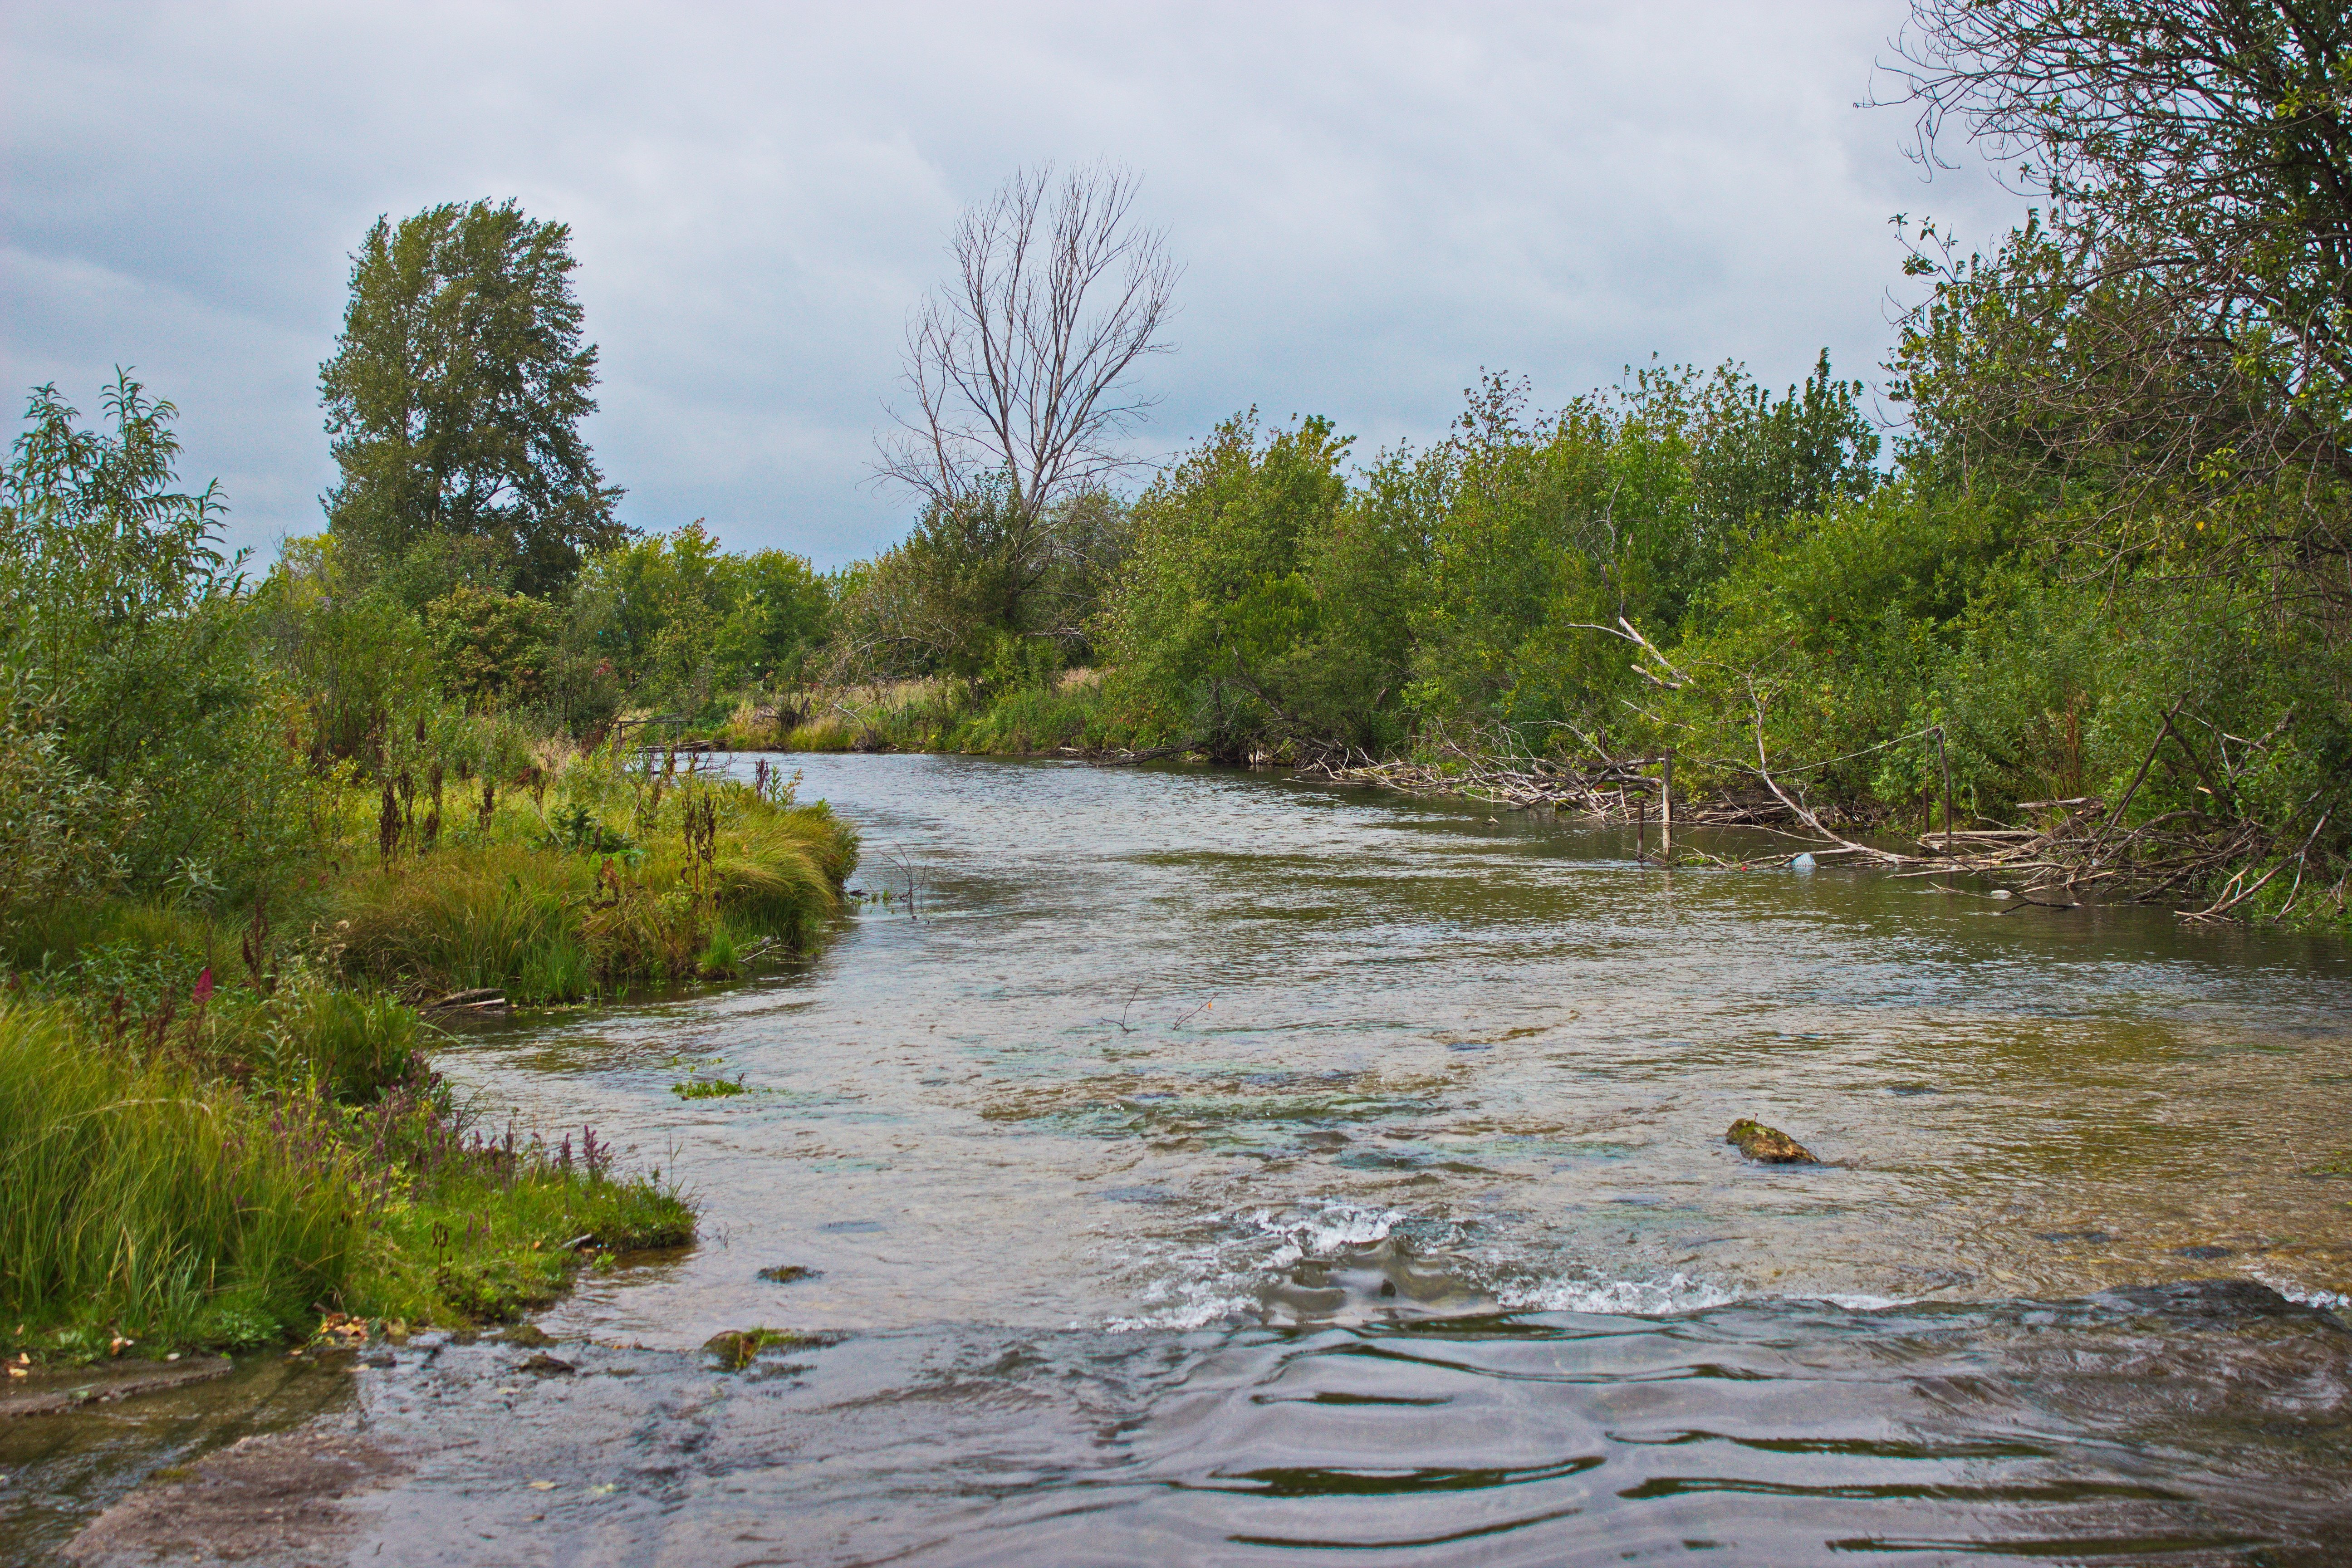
pixel 1187 1165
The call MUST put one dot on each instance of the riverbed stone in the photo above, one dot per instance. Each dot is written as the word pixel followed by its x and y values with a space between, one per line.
pixel 739 1348
pixel 1767 1145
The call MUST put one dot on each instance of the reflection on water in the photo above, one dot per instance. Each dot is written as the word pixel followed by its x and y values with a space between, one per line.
pixel 1221 1167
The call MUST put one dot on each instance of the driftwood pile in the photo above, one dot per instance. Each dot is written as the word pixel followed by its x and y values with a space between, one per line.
pixel 1621 789
pixel 2216 859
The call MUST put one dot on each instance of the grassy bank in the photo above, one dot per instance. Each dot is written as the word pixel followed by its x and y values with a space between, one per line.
pixel 593 876
pixel 224 1174
pixel 607 876
pixel 1072 711
pixel 218 1121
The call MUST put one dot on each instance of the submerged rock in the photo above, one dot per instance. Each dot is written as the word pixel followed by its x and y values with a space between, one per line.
pixel 1767 1145
pixel 789 1273
pixel 739 1348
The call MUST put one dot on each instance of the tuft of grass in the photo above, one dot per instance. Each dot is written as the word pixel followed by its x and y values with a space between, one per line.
pixel 708 1088
pixel 737 1349
pixel 490 1238
pixel 137 1202
pixel 146 1202
pixel 549 923
pixel 719 957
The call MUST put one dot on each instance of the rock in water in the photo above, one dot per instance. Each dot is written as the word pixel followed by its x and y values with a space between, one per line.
pixel 790 1273
pixel 1767 1145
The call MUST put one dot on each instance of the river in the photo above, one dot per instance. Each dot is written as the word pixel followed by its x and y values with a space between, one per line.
pixel 1204 1167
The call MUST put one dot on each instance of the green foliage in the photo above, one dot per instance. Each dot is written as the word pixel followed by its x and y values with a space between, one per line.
pixel 456 394
pixel 495 649
pixel 982 591
pixel 1268 602
pixel 360 659
pixel 681 622
pixel 708 1088
pixel 1551 538
pixel 61 832
pixel 1216 615
pixel 132 672
pixel 1834 633
pixel 2171 325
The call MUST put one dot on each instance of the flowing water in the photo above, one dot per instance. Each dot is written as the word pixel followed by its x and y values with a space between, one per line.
pixel 1194 1166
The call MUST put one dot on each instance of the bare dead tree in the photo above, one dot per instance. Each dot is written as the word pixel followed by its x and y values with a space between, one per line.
pixel 1020 368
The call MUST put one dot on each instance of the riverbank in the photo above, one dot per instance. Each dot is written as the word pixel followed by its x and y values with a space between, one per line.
pixel 2217 862
pixel 222 1129
pixel 236 1173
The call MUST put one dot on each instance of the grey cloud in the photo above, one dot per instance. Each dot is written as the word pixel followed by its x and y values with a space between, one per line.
pixel 1372 202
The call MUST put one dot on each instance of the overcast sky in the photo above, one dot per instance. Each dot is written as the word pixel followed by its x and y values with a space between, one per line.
pixel 1371 202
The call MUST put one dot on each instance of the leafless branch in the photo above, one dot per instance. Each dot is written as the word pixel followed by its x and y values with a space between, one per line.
pixel 1019 370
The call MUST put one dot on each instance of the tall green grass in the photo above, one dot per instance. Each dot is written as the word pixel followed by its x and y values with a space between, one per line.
pixel 136 1200
pixel 143 1199
pixel 550 923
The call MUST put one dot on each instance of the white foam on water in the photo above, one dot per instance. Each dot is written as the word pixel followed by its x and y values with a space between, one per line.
pixel 1618 1298
pixel 1857 1303
pixel 1324 1230
pixel 1221 1280
pixel 1183 1304
pixel 2306 1295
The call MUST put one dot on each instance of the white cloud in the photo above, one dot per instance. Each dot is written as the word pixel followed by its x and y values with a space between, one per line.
pixel 1372 202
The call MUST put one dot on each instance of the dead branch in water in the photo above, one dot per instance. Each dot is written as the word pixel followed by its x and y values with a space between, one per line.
pixel 2078 846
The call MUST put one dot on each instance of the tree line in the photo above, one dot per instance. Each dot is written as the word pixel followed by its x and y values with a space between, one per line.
pixel 2105 554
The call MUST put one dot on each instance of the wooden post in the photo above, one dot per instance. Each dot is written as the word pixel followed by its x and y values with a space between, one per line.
pixel 1947 763
pixel 1666 811
pixel 1641 827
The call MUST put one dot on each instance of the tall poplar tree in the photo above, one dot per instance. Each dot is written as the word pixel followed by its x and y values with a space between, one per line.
pixel 456 395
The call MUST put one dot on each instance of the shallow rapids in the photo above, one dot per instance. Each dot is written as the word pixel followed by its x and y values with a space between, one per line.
pixel 1200 1167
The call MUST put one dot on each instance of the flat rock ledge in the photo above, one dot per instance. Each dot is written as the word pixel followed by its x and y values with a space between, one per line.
pixel 46 1392
pixel 277 1498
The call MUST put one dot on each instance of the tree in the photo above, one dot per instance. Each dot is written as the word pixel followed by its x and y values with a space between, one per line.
pixel 2178 324
pixel 1219 622
pixel 127 652
pixel 1019 372
pixel 456 394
